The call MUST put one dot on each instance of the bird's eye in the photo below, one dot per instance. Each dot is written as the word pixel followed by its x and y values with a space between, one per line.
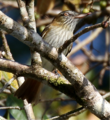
pixel 66 14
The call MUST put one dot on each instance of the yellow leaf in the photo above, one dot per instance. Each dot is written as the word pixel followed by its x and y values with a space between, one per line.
pixel 7 76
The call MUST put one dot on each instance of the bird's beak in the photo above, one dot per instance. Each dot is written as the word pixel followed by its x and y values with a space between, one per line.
pixel 82 15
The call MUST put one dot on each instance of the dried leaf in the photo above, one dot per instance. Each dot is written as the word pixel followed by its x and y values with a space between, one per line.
pixel 44 5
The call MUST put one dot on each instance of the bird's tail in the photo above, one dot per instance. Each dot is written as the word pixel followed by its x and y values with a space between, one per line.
pixel 29 90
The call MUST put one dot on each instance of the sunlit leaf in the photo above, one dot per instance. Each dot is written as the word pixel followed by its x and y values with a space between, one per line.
pixel 7 76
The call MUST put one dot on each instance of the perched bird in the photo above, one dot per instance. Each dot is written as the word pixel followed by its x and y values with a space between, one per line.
pixel 56 33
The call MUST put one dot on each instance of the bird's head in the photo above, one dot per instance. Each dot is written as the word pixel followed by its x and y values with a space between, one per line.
pixel 68 19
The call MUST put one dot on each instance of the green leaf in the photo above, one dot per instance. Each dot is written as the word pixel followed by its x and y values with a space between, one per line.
pixel 17 114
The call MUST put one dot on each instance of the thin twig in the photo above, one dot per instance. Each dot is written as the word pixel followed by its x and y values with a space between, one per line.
pixel 106 95
pixel 91 4
pixel 90 55
pixel 106 58
pixel 8 54
pixel 86 41
pixel 11 107
pixel 69 114
pixel 74 112
pixel 7 84
pixel 46 109
pixel 2 102
pixel 107 43
pixel 11 88
pixel 87 29
pixel 23 12
pixel 56 99
pixel 102 92
pixel 6 3
pixel 43 22
pixel 93 67
pixel 35 58
pixel 102 72
pixel 6 91
pixel 97 75
pixel 30 10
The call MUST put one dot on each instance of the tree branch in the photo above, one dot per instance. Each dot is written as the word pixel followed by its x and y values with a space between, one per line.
pixel 15 107
pixel 7 84
pixel 30 10
pixel 86 41
pixel 23 12
pixel 38 73
pixel 87 29
pixel 69 114
pixel 6 47
pixel 94 16
pixel 28 110
pixel 29 20
pixel 2 118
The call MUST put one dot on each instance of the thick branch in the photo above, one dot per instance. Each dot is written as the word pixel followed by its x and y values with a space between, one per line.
pixel 38 73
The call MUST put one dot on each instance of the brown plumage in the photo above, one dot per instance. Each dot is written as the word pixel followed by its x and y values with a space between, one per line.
pixel 60 30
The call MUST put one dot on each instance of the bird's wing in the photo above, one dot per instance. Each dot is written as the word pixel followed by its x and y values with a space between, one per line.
pixel 45 31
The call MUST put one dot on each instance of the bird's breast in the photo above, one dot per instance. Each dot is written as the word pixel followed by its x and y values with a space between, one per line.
pixel 57 36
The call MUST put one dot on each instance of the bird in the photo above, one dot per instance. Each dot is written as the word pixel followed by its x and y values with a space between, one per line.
pixel 56 33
